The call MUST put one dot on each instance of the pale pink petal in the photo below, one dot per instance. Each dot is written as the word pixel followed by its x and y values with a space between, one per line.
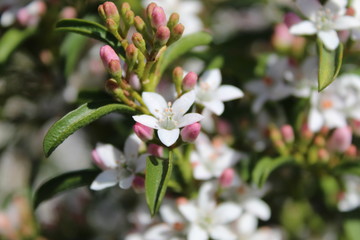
pixel 182 105
pixel 105 179
pixel 303 28
pixel 329 38
pixel 257 207
pixel 221 233
pixel 168 137
pixel 316 120
pixel 155 103
pixel 346 22
pixel 109 155
pixel 189 118
pixel 309 7
pixel 125 178
pixel 216 106
pixel 131 147
pixel 147 120
pixel 212 78
pixel 189 211
pixel 227 212
pixel 197 233
pixel 247 224
pixel 228 93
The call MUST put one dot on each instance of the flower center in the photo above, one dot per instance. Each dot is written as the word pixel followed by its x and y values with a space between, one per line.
pixel 167 120
pixel 325 19
pixel 204 94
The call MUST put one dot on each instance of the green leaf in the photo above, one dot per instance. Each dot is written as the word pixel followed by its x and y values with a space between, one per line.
pixel 62 183
pixel 182 46
pixel 348 168
pixel 266 166
pixel 329 65
pixel 90 29
pixel 11 40
pixel 352 229
pixel 78 118
pixel 158 173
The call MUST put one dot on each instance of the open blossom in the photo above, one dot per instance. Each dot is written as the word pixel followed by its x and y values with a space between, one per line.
pixel 350 199
pixel 118 168
pixel 168 118
pixel 210 94
pixel 324 21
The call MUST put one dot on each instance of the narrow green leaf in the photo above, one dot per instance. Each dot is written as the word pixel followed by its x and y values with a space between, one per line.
pixel 62 183
pixel 329 65
pixel 90 29
pixel 184 45
pixel 158 173
pixel 265 167
pixel 80 117
pixel 11 39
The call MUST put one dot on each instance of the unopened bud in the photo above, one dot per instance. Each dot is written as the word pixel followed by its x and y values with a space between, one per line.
pixel 227 177
pixel 111 12
pixel 189 81
pixel 139 24
pixel 190 132
pixel 112 26
pixel 351 151
pixel 111 85
pixel 131 55
pixel 110 60
pixel 101 12
pixel 320 141
pixel 134 82
pixel 139 42
pixel 306 132
pixel 287 133
pixel 149 10
pixel 176 33
pixel 125 7
pixel 138 184
pixel 291 19
pixel 173 20
pixel 115 68
pixel 158 17
pixel 323 155
pixel 177 75
pixel 341 139
pixel 145 133
pixel 162 36
pixel 155 150
pixel 129 17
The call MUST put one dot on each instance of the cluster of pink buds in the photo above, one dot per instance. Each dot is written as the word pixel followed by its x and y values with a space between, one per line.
pixel 184 82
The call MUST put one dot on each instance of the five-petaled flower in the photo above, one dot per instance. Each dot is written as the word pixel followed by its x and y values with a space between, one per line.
pixel 168 118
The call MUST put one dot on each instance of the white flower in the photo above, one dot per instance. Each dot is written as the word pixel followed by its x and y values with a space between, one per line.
pixel 211 158
pixel 206 218
pixel 349 90
pixel 324 21
pixel 119 168
pixel 355 5
pixel 168 117
pixel 210 94
pixel 350 199
pixel 188 11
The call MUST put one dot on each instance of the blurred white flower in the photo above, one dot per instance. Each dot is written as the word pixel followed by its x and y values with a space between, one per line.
pixel 350 199
pixel 324 20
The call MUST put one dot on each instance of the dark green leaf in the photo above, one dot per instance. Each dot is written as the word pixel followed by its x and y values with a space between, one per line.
pixel 184 45
pixel 90 29
pixel 62 183
pixel 158 173
pixel 329 65
pixel 80 117
pixel 11 40
pixel 265 167
pixel 348 168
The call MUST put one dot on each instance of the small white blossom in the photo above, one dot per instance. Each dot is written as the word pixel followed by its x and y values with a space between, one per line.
pixel 350 199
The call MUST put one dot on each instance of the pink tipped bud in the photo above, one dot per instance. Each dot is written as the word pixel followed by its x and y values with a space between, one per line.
pixel 351 151
pixel 282 39
pixel 139 24
pixel 155 150
pixel 158 17
pixel 149 10
pixel 178 30
pixel 287 133
pixel 111 85
pixel 323 154
pixel 190 132
pixel 23 16
pixel 115 68
pixel 97 160
pixel 107 54
pixel 162 35
pixel 68 12
pixel 190 81
pixel 341 139
pixel 227 177
pixel 138 184
pixel 145 133
pixel 306 132
pixel 111 11
pixel 291 19
pixel 134 82
pixel 173 20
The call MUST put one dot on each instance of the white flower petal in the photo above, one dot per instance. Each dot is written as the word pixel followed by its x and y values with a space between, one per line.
pixel 228 93
pixel 334 118
pixel 259 103
pixel 169 212
pixel 131 147
pixel 215 106
pixel 197 233
pixel 168 137
pixel 206 200
pixel 140 163
pixel 212 78
pixel 189 118
pixel 159 232
pixel 155 103
pixel 346 22
pixel 227 212
pixel 258 207
pixel 109 155
pixel 105 179
pixel 201 172
pixel 221 233
pixel 247 224
pixel 189 211
pixel 147 120
pixel 309 7
pixel 337 7
pixel 329 38
pixel 125 179
pixel 182 104
pixel 315 120
pixel 303 28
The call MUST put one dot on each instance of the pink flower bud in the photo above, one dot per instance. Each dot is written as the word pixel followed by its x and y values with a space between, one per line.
pixel 227 177
pixel 340 140
pixel 323 154
pixel 162 35
pixel 107 54
pixel 158 17
pixel 115 68
pixel 143 132
pixel 190 132
pixel 282 39
pixel 111 11
pixel 190 81
pixel 68 12
pixel 291 19
pixel 134 82
pixel 97 160
pixel 351 151
pixel 138 184
pixel 287 133
pixel 155 150
pixel 23 16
